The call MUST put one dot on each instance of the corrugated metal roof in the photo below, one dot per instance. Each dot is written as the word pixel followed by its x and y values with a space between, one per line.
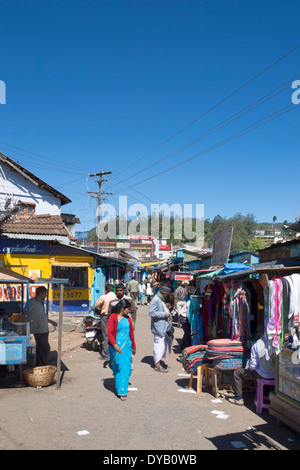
pixel 26 236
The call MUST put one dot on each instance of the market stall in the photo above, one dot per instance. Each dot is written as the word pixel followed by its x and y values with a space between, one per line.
pixel 61 283
pixel 14 325
pixel 15 292
pixel 234 303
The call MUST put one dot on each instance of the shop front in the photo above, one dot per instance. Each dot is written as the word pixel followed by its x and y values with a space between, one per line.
pixel 77 291
pixel 86 272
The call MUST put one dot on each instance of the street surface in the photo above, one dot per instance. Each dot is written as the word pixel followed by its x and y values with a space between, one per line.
pixel 159 414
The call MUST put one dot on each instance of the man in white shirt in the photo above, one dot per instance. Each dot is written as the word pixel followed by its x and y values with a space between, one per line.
pixel 39 325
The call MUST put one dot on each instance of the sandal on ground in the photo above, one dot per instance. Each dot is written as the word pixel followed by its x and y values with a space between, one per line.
pixel 164 365
pixel 122 397
pixel 160 369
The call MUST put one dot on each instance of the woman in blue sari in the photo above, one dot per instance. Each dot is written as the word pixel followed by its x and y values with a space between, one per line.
pixel 121 346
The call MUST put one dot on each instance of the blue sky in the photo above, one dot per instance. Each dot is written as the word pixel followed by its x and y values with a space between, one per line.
pixel 101 85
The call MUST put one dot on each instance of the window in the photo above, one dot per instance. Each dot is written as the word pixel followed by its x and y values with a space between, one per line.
pixel 26 209
pixel 78 277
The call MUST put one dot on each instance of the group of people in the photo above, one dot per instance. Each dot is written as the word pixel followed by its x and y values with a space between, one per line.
pixel 118 312
pixel 119 315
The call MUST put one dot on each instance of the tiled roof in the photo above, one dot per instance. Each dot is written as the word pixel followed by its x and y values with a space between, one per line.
pixel 44 224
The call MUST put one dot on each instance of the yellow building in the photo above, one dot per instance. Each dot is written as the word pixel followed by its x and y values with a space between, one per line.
pixel 39 247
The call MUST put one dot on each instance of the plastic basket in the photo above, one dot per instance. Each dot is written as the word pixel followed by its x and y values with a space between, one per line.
pixel 40 376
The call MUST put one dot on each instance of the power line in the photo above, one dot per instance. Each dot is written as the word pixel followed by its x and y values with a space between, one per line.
pixel 224 123
pixel 223 142
pixel 43 156
pixel 215 106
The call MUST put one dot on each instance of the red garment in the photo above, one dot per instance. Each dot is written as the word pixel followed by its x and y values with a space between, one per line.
pixel 112 326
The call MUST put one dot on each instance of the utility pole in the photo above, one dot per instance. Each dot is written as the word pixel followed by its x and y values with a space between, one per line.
pixel 98 196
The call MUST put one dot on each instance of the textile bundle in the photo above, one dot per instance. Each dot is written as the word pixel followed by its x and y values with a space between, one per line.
pixel 222 354
pixel 192 357
pixel 226 354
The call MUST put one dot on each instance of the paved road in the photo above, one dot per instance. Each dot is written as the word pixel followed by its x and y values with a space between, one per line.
pixel 159 413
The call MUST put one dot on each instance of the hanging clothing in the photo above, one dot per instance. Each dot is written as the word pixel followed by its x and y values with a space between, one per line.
pixel 196 321
pixel 260 301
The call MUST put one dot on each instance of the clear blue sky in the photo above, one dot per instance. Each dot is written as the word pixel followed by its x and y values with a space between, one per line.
pixel 97 85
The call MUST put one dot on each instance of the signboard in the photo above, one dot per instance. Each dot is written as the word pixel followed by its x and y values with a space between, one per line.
pixel 124 245
pixel 164 247
pixel 13 292
pixel 182 276
pixel 71 294
pixel 221 249
pixel 82 235
pixel 140 237
pixel 24 247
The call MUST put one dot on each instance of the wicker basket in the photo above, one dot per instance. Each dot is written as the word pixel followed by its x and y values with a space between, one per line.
pixel 40 376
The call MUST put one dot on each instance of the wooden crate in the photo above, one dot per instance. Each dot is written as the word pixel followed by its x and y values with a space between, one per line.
pixel 284 412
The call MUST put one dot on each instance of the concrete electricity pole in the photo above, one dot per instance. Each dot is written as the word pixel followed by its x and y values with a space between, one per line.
pixel 98 196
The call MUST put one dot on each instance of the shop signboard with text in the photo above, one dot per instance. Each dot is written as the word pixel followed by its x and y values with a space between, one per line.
pixel 13 292
pixel 182 276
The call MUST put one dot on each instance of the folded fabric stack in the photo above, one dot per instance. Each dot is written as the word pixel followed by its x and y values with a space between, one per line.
pixel 192 357
pixel 226 354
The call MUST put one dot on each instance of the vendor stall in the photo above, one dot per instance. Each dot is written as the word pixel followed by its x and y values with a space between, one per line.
pixel 234 303
pixel 15 292
pixel 14 325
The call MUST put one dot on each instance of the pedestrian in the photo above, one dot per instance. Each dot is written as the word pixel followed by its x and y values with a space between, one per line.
pixel 155 288
pixel 39 325
pixel 149 291
pixel 160 321
pixel 186 326
pixel 103 303
pixel 133 289
pixel 260 365
pixel 121 346
pixel 180 295
pixel 120 294
pixel 142 292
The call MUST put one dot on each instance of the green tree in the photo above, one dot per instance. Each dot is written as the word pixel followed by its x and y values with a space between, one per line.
pixel 256 244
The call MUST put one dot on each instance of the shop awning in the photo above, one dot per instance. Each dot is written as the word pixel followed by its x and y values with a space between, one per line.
pixel 7 275
pixel 209 274
pixel 154 263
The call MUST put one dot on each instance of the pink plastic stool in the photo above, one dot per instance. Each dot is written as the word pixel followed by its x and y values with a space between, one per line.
pixel 259 396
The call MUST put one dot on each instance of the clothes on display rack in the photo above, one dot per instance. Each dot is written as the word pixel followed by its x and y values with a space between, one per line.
pixel 226 307
pixel 282 307
pixel 195 318
pixel 234 310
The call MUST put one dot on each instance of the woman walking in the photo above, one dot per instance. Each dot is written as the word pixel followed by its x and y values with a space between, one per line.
pixel 121 346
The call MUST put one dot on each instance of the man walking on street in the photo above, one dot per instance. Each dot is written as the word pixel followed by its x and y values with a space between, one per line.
pixel 160 315
pixel 120 294
pixel 133 289
pixel 103 304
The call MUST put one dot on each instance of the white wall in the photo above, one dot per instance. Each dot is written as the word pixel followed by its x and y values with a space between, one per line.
pixel 14 184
